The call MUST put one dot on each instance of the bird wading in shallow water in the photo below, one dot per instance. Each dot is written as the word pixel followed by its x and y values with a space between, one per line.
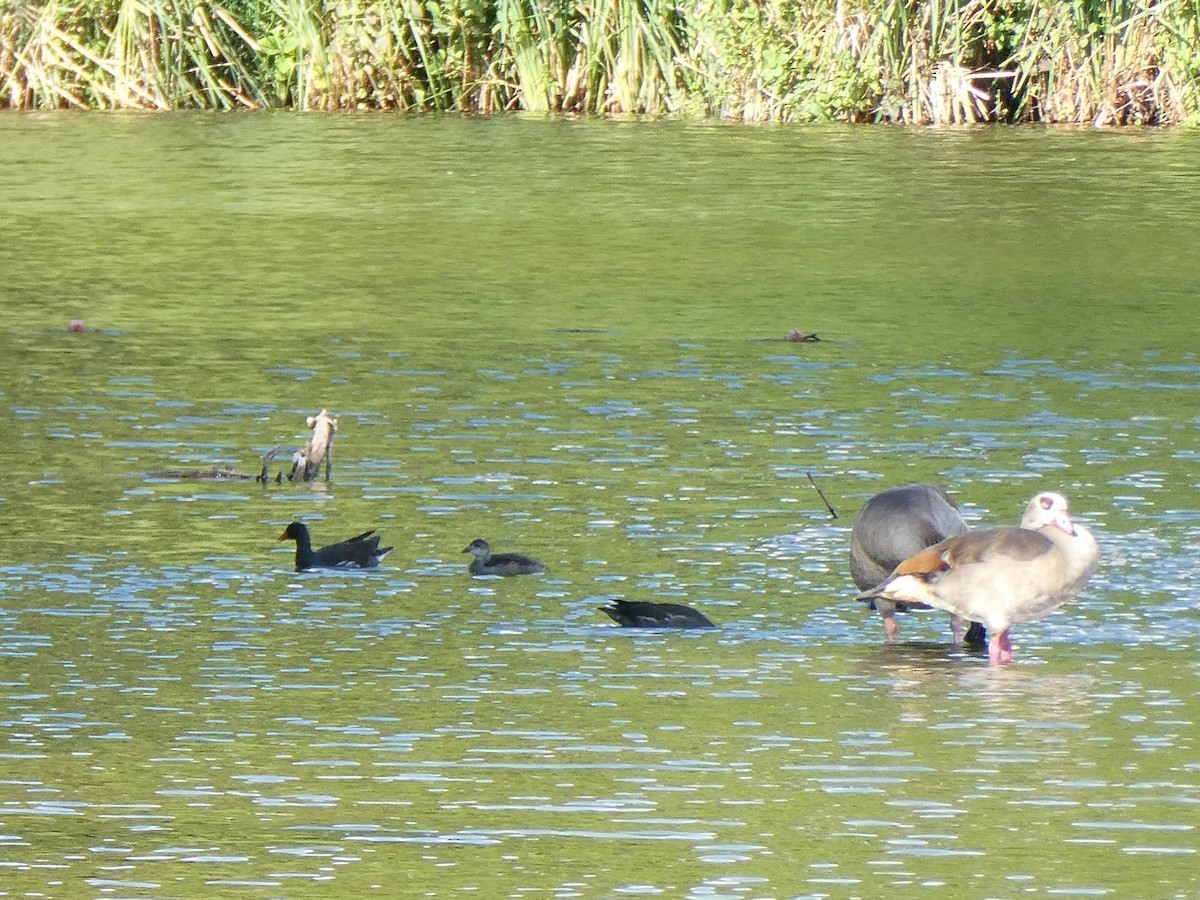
pixel 488 563
pixel 640 614
pixel 359 552
pixel 892 526
pixel 1000 577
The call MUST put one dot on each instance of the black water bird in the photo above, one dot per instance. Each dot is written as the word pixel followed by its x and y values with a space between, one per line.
pixel 488 563
pixel 643 614
pixel 359 552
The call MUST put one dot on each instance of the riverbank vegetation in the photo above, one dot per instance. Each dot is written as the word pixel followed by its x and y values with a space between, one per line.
pixel 1101 62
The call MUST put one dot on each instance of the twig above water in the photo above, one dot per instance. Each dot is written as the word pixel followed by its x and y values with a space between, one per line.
pixel 820 493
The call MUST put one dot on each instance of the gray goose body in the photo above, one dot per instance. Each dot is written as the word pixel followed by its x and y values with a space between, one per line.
pixel 892 526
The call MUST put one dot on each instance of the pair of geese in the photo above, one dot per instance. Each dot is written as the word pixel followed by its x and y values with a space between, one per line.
pixel 909 549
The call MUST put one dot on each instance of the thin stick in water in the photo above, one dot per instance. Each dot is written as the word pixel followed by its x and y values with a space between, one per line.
pixel 821 494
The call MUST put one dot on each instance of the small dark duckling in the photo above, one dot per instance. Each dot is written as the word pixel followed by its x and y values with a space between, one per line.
pixel 359 552
pixel 488 563
pixel 640 614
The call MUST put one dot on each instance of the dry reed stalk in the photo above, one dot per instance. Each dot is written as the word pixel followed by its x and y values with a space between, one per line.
pixel 1111 62
pixel 1136 89
pixel 953 98
pixel 225 16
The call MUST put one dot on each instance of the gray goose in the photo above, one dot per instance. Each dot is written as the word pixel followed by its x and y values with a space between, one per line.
pixel 891 527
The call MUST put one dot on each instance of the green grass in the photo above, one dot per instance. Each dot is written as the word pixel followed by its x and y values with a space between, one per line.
pixel 1103 62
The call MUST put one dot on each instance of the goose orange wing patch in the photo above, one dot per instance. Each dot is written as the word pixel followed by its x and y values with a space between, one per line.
pixel 928 561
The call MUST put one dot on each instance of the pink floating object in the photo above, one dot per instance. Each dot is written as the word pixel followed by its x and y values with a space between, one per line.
pixel 77 325
pixel 801 337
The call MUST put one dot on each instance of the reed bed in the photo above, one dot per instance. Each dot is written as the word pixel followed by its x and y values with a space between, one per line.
pixel 1101 62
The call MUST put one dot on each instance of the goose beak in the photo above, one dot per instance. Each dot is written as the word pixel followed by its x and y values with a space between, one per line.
pixel 1063 522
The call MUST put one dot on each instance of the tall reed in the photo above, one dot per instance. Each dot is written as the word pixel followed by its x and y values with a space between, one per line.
pixel 130 54
pixel 1109 62
pixel 1105 62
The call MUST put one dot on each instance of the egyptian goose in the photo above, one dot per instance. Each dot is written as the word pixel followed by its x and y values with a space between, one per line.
pixel 361 551
pixel 891 527
pixel 640 614
pixel 488 563
pixel 1001 576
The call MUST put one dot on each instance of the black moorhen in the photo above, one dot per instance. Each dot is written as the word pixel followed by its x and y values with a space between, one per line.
pixel 361 551
pixel 641 614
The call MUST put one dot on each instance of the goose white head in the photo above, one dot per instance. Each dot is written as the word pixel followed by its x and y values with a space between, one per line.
pixel 1048 508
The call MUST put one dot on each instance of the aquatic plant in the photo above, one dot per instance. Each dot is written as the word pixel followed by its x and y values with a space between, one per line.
pixel 1105 62
pixel 136 54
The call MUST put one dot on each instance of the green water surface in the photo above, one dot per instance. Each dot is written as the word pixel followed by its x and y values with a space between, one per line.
pixel 569 337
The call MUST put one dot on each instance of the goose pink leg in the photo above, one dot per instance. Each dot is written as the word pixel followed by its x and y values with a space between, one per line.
pixel 890 628
pixel 956 629
pixel 999 648
pixel 1005 647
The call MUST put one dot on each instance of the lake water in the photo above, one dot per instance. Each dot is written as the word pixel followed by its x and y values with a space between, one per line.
pixel 568 338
